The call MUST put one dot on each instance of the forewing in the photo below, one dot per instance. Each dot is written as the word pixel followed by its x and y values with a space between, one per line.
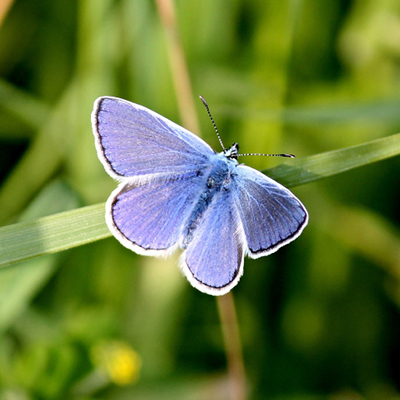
pixel 149 218
pixel 270 214
pixel 133 141
pixel 213 261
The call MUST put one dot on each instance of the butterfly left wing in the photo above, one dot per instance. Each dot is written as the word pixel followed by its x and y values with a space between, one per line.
pixel 149 218
pixel 213 260
pixel 136 143
pixel 271 215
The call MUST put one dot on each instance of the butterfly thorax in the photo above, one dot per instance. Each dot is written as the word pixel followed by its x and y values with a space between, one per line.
pixel 217 179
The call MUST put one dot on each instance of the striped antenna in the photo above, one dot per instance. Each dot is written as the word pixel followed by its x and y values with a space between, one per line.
pixel 268 155
pixel 238 155
pixel 212 120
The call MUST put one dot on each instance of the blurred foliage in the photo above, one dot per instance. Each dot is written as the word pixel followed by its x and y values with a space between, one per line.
pixel 320 318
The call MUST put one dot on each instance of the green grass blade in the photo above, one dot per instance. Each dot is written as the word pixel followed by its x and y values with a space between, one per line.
pixel 20 104
pixel 77 227
pixel 319 166
pixel 20 284
pixel 50 234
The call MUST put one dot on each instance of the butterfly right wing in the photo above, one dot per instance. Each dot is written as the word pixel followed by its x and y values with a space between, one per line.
pixel 271 214
pixel 137 143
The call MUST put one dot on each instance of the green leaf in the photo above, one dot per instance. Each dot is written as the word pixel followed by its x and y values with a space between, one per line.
pixel 25 107
pixel 74 228
pixel 310 169
pixel 19 285
pixel 51 234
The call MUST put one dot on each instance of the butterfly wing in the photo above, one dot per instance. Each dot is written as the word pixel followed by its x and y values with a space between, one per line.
pixel 270 214
pixel 213 260
pixel 160 165
pixel 133 141
pixel 149 218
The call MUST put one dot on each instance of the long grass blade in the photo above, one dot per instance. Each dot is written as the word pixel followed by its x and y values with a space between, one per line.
pixel 310 169
pixel 69 229
pixel 50 234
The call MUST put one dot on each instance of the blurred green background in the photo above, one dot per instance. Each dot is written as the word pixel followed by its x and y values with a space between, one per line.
pixel 320 318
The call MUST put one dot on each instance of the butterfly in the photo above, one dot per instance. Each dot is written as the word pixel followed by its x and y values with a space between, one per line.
pixel 175 192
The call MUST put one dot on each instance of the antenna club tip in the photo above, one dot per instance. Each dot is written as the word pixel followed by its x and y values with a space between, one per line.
pixel 203 100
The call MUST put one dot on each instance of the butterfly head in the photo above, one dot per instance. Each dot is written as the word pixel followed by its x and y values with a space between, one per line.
pixel 233 152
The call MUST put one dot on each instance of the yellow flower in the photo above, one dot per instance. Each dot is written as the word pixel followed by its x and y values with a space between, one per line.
pixel 120 362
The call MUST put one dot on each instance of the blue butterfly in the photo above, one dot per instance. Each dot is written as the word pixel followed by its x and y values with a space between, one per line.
pixel 176 191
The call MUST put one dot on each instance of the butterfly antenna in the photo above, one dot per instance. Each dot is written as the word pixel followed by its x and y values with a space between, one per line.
pixel 212 120
pixel 268 155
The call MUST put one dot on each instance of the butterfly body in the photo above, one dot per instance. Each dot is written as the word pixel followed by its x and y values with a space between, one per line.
pixel 176 192
pixel 216 180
